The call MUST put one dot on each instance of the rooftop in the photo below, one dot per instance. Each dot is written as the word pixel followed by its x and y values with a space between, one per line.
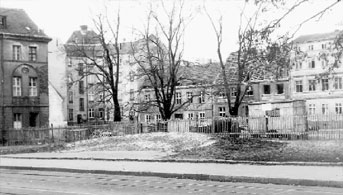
pixel 317 37
pixel 18 22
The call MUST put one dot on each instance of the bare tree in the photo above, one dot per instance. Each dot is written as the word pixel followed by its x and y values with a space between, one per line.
pixel 257 54
pixel 159 57
pixel 101 55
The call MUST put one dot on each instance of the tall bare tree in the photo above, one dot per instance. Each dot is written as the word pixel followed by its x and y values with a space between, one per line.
pixel 102 60
pixel 159 57
pixel 258 53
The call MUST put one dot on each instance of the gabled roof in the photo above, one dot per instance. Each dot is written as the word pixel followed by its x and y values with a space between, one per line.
pixel 83 36
pixel 18 22
pixel 317 37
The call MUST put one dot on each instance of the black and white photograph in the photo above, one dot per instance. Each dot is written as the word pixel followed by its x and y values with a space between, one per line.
pixel 140 97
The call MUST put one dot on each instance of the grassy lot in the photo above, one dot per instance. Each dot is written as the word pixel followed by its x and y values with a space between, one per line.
pixel 201 146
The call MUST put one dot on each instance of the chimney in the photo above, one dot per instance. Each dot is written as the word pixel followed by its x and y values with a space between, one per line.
pixel 83 29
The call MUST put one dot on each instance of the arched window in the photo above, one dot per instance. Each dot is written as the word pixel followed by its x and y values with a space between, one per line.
pixel 25 81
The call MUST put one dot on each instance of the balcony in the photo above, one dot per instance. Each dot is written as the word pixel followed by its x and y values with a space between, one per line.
pixel 25 101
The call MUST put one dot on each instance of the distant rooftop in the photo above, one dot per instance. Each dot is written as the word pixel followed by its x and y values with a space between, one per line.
pixel 317 37
pixel 16 21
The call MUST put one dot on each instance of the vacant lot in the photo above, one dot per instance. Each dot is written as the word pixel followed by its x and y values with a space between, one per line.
pixel 201 146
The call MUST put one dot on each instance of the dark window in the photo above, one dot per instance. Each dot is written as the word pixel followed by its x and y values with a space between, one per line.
pixel 190 97
pixel 178 116
pixel 312 85
pixel 298 86
pixel 81 87
pixel 325 84
pixel 32 53
pixel 250 91
pixel 82 105
pixel 3 22
pixel 312 64
pixel 279 88
pixel 266 89
pixel 71 115
pixel 80 69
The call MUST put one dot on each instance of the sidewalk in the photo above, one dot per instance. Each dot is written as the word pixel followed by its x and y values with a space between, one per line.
pixel 150 163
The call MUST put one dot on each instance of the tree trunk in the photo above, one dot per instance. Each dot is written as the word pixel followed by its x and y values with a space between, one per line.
pixel 117 113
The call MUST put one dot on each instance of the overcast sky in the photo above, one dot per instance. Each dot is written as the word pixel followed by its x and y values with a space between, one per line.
pixel 59 18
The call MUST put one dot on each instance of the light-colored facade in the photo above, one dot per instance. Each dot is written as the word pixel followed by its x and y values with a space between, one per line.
pixel 86 99
pixel 312 77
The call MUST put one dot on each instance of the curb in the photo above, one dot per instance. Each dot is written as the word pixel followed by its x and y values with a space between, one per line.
pixel 277 181
pixel 267 163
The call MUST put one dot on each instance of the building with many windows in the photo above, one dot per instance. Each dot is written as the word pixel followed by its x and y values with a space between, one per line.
pixel 24 100
pixel 317 73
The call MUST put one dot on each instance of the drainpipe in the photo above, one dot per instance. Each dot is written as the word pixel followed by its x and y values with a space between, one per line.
pixel 2 89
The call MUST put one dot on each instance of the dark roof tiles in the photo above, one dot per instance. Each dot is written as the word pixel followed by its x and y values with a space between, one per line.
pixel 18 22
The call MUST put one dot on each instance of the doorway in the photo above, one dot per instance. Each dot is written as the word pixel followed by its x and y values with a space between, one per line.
pixel 33 119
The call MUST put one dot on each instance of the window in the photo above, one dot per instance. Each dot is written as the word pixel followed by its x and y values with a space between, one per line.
pixel 311 109
pixel 312 85
pixel 132 77
pixel 323 46
pixel 233 91
pixel 70 62
pixel 81 87
pixel 266 89
pixel 33 86
pixel 338 108
pixel 298 65
pixel 82 104
pixel 201 116
pixel 132 95
pixel 17 121
pixel 325 84
pixel 80 69
pixel 147 118
pixel 91 78
pixel 299 86
pixel 32 53
pixel 91 113
pixel 158 117
pixel 16 52
pixel 190 115
pixel 91 96
pixel 279 88
pixel 324 63
pixel 338 83
pixel 202 97
pixel 190 97
pixel 16 86
pixel 70 97
pixel 101 97
pixel 70 115
pixel 325 109
pixel 101 113
pixel 147 97
pixel 3 22
pixel 312 64
pixel 178 116
pixel 250 91
pixel 310 47
pixel 222 111
pixel 178 97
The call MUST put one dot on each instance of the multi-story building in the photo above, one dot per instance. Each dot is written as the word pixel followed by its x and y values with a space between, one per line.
pixel 317 75
pixel 86 99
pixel 24 99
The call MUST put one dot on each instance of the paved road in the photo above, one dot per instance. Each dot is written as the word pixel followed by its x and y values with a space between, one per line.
pixel 57 183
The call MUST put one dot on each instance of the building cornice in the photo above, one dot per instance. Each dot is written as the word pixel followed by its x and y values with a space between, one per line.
pixel 36 38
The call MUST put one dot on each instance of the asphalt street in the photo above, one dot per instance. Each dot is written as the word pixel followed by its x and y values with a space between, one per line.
pixel 20 182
